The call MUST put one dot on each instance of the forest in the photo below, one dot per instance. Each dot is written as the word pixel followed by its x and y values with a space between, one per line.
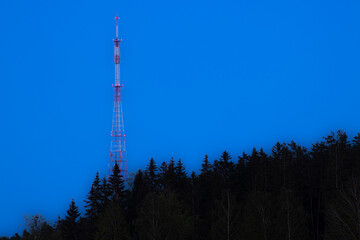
pixel 290 193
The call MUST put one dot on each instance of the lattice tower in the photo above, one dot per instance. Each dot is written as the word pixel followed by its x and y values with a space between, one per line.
pixel 117 149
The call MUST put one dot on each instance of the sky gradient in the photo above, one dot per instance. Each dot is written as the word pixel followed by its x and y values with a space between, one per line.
pixel 200 77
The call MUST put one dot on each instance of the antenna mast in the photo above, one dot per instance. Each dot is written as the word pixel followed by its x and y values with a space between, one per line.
pixel 117 149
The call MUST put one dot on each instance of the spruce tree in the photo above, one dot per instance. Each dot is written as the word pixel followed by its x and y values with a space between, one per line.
pixel 138 193
pixel 70 225
pixel 151 175
pixel 224 168
pixel 205 166
pixel 93 202
pixel 170 177
pixel 182 183
pixel 180 170
pixel 241 177
pixel 117 186
pixel 105 193
pixel 139 190
pixel 162 177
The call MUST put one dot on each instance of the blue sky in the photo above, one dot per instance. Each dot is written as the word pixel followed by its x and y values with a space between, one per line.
pixel 200 77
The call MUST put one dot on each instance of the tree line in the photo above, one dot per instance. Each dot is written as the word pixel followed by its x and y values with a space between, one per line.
pixel 291 193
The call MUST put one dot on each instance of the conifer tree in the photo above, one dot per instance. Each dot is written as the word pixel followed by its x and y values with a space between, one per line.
pixel 180 170
pixel 171 169
pixel 162 177
pixel 240 179
pixel 151 175
pixel 182 183
pixel 70 225
pixel 163 168
pixel 105 194
pixel 338 168
pixel 181 178
pixel 139 190
pixel 117 187
pixel 170 177
pixel 280 158
pixel 205 166
pixel 224 168
pixel 93 202
pixel 137 194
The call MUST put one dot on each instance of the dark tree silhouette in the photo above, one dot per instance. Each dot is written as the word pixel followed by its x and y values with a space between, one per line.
pixel 291 193
pixel 70 225
pixel 117 187
pixel 151 175
pixel 93 201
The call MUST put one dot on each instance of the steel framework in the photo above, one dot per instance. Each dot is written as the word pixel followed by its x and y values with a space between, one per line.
pixel 117 148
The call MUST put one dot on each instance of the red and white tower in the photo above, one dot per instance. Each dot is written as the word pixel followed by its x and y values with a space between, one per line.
pixel 117 149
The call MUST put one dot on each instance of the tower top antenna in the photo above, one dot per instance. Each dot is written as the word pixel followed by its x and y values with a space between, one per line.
pixel 117 27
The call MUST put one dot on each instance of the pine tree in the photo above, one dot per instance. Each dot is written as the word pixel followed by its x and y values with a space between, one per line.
pixel 240 180
pixel 138 193
pixel 117 187
pixel 105 194
pixel 139 190
pixel 70 225
pixel 93 202
pixel 162 177
pixel 339 165
pixel 280 161
pixel 171 169
pixel 205 166
pixel 170 178
pixel 181 178
pixel 253 166
pixel 180 170
pixel 224 168
pixel 163 168
pixel 151 175
pixel 182 184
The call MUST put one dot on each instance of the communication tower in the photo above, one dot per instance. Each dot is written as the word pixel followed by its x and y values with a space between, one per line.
pixel 117 148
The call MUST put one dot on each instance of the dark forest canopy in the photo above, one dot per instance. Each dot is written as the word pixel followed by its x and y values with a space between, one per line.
pixel 292 193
